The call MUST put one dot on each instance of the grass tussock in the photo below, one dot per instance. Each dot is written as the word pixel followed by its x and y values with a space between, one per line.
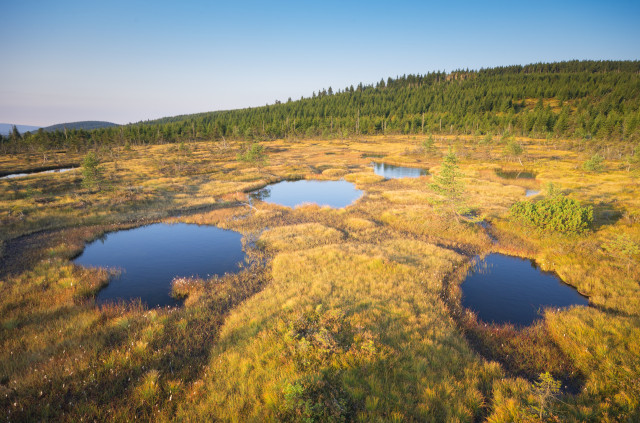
pixel 428 221
pixel 296 237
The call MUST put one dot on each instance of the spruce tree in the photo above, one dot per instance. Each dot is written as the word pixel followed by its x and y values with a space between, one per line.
pixel 447 182
pixel 91 174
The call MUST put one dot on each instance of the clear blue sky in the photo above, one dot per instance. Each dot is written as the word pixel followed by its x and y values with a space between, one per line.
pixel 125 61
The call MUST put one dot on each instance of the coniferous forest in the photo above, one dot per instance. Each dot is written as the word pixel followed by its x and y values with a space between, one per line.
pixel 595 104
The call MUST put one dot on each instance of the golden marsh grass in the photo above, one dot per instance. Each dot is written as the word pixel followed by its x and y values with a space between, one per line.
pixel 339 315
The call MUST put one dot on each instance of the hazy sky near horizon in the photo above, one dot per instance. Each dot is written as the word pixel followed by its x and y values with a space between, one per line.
pixel 125 61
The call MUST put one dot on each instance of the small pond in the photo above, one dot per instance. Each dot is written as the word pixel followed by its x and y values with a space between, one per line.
pixel 393 172
pixel 150 257
pixel 336 194
pixel 515 174
pixel 503 289
pixel 19 175
pixel 531 192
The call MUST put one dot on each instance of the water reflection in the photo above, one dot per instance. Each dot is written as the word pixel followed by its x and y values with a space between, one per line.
pixel 394 172
pixel 151 256
pixel 19 175
pixel 515 174
pixel 336 194
pixel 504 289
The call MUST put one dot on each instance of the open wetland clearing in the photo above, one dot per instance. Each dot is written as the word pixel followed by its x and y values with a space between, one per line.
pixel 292 280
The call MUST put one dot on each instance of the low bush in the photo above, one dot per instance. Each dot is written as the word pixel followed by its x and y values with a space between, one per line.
pixel 594 164
pixel 254 153
pixel 555 213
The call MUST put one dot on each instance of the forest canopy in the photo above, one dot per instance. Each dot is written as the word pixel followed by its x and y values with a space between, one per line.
pixel 595 102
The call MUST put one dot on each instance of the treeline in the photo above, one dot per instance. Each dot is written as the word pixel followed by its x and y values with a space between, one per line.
pixel 596 101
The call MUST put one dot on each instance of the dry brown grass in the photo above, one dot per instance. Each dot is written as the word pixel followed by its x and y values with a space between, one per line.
pixel 354 308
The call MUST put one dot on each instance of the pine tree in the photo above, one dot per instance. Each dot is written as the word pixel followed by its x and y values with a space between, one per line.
pixel 447 182
pixel 91 175
pixel 15 134
pixel 545 391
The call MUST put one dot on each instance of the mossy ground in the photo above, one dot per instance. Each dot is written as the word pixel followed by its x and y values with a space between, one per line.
pixel 339 315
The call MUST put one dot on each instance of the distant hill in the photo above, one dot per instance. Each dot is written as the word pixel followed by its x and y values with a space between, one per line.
pixel 87 125
pixel 6 128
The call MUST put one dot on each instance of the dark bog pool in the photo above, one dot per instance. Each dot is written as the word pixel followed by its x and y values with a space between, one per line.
pixel 151 256
pixel 392 172
pixel 503 289
pixel 515 174
pixel 336 194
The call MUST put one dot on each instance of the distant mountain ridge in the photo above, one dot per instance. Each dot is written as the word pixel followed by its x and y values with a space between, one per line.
pixel 87 125
pixel 6 128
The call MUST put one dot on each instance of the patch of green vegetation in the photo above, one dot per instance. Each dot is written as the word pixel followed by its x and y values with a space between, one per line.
pixel 546 390
pixel 254 153
pixel 556 213
pixel 514 150
pixel 318 342
pixel 428 145
pixel 515 174
pixel 594 164
pixel 623 247
pixel 447 182
pixel 91 174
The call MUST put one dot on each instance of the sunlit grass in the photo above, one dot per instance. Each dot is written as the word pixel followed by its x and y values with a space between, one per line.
pixel 346 314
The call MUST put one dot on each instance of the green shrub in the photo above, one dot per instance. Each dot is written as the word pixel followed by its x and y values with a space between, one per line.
pixel 514 150
pixel 254 154
pixel 556 213
pixel 316 398
pixel 321 344
pixel 428 145
pixel 594 164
